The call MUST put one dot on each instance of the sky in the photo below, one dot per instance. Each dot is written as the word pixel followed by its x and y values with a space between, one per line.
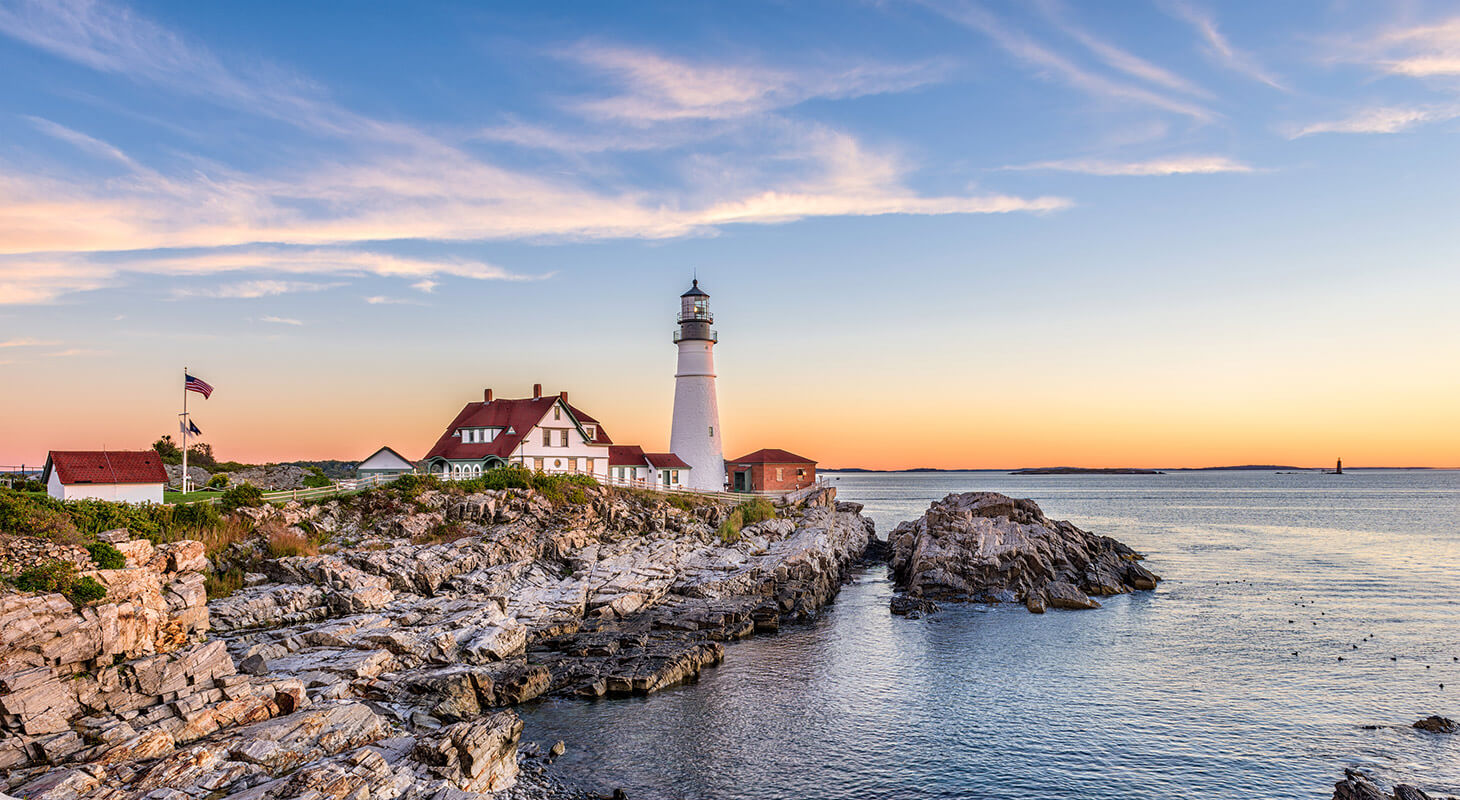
pixel 935 234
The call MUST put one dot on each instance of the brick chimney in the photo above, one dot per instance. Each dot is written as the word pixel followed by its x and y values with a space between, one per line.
pixel 563 395
pixel 487 396
pixel 537 391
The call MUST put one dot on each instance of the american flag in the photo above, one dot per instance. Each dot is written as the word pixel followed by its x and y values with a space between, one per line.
pixel 197 385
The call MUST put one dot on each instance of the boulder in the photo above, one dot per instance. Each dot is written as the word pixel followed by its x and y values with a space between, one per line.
pixel 988 547
pixel 1436 724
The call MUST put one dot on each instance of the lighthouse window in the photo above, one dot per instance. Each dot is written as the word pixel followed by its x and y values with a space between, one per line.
pixel 712 431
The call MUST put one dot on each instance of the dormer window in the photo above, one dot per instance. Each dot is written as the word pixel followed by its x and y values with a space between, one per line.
pixel 589 429
pixel 557 412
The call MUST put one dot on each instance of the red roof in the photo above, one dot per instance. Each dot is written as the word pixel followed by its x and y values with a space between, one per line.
pixel 626 455
pixel 105 466
pixel 516 418
pixel 666 461
pixel 771 455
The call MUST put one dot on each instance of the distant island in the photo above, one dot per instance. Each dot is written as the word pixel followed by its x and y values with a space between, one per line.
pixel 1253 467
pixel 1086 471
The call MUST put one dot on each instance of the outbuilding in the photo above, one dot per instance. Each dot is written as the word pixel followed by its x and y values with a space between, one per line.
pixel 386 462
pixel 770 470
pixel 128 476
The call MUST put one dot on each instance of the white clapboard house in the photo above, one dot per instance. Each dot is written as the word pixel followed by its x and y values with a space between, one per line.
pixel 130 476
pixel 542 433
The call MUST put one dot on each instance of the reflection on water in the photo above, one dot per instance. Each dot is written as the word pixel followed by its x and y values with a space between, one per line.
pixel 1193 691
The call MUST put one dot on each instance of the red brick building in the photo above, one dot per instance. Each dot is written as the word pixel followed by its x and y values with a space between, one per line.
pixel 770 470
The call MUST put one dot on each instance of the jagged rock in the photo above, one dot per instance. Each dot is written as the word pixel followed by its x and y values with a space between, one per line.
pixel 1437 724
pixel 478 756
pixel 988 547
pixel 912 607
pixel 1355 786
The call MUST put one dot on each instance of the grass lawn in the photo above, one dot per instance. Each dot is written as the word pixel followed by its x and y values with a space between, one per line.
pixel 169 496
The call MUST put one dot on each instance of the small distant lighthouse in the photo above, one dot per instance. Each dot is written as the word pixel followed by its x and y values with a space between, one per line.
pixel 695 434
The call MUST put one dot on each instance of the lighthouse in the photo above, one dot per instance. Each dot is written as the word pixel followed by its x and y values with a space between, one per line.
pixel 695 434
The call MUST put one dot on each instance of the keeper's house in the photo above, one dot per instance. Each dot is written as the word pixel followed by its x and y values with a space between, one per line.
pixel 770 470
pixel 542 433
pixel 384 461
pixel 129 476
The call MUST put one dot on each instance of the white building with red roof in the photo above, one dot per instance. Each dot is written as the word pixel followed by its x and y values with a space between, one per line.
pixel 129 476
pixel 542 433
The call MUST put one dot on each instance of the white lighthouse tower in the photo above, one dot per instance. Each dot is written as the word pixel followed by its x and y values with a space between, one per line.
pixel 695 435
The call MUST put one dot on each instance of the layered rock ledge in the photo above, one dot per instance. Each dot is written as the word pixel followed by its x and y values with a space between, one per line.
pixel 385 665
pixel 987 547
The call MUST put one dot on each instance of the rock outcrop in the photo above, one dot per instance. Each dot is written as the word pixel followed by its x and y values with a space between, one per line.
pixel 986 547
pixel 1437 724
pixel 1357 786
pixel 387 666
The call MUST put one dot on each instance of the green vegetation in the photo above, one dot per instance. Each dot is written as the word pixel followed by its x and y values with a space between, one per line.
pixel 747 513
pixel 244 495
pixel 76 522
pixel 170 496
pixel 219 481
pixel 316 479
pixel 286 542
pixel 22 483
pixel 557 489
pixel 60 576
pixel 224 583
pixel 106 556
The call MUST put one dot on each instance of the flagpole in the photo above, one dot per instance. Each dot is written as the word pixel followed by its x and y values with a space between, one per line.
pixel 185 432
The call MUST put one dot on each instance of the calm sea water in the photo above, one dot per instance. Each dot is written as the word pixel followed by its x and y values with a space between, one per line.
pixel 1192 691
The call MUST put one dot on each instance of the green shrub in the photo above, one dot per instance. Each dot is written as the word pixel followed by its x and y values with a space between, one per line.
pixel 106 556
pixel 224 583
pixel 86 590
pixel 316 479
pixel 52 576
pixel 196 515
pixel 747 513
pixel 218 481
pixel 411 486
pixel 244 495
pixel 34 515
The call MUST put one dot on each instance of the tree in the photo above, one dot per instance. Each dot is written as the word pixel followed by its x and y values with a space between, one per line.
pixel 168 449
pixel 201 454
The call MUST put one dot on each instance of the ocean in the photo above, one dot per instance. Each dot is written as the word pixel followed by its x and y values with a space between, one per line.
pixel 1304 623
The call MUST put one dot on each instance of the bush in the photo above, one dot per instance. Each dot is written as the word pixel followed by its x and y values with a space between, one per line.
pixel 31 515
pixel 224 583
pixel 316 479
pixel 86 590
pixel 196 515
pixel 244 495
pixel 60 576
pixel 411 486
pixel 747 513
pixel 286 542
pixel 52 576
pixel 218 481
pixel 106 556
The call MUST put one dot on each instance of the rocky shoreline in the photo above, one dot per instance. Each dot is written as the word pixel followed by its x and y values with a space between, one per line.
pixel 385 665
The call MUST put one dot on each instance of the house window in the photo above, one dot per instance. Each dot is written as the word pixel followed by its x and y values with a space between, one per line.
pixel 674 476
pixel 557 412
pixel 589 429
pixel 800 473
pixel 564 437
pixel 537 464
pixel 587 465
pixel 547 438
pixel 778 474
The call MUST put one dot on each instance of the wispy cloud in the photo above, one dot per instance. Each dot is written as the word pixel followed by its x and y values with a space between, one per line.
pixel 1218 48
pixel 254 289
pixel 1423 51
pixel 282 320
pixel 76 352
pixel 658 88
pixel 1176 165
pixel 382 300
pixel 1047 62
pixel 326 214
pixel 83 142
pixel 426 286
pixel 1115 57
pixel 1383 119
pixel 27 342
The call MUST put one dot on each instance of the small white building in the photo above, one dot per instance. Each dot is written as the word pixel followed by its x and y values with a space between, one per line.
pixel 127 476
pixel 384 461
pixel 629 465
